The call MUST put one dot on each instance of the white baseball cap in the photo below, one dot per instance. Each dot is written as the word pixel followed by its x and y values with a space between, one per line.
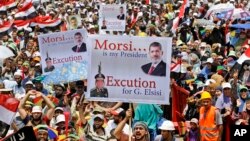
pixel 29 82
pixel 59 108
pixel 210 60
pixel 60 118
pixel 37 109
pixel 99 116
pixel 194 120
pixel 18 73
pixel 226 85
pixel 209 81
pixel 167 125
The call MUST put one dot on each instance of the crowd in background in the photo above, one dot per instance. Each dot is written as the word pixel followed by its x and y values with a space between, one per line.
pixel 204 62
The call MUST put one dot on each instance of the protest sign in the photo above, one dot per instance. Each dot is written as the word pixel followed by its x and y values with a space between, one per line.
pixel 74 22
pixel 24 134
pixel 60 52
pixel 121 69
pixel 112 17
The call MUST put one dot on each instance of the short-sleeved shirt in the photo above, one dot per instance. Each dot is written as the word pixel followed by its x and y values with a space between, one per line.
pixel 223 102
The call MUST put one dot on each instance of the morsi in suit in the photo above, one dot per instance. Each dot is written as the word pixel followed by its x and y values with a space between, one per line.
pixel 121 17
pixel 82 48
pixel 160 69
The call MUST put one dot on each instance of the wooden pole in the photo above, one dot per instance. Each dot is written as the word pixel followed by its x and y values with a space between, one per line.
pixel 130 123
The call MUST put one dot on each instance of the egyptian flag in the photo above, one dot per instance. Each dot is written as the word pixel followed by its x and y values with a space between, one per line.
pixel 176 67
pixel 45 21
pixel 244 59
pixel 175 24
pixel 8 108
pixel 27 10
pixel 245 56
pixel 21 24
pixel 182 9
pixel 2 8
pixel 5 26
pixel 6 4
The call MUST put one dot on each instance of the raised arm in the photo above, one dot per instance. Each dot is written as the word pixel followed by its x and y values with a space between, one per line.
pixel 83 112
pixel 49 103
pixel 116 106
pixel 120 126
pixel 21 105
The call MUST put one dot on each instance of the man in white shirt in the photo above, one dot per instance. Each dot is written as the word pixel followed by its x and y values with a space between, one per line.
pixel 118 115
pixel 18 89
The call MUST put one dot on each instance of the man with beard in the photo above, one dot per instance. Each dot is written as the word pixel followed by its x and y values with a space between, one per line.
pixel 94 132
pixel 79 85
pixel 39 86
pixel 28 86
pixel 36 116
pixel 157 67
pixel 118 115
pixel 140 130
pixel 18 89
pixel 59 93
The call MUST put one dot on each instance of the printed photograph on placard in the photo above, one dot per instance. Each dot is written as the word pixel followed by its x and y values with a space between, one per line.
pixel 139 71
pixel 112 17
pixel 64 56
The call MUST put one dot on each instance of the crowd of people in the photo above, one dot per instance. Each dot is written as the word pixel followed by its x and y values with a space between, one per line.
pixel 204 62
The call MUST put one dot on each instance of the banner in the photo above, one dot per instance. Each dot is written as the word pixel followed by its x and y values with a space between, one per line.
pixel 24 134
pixel 129 69
pixel 112 17
pixel 64 56
pixel 74 22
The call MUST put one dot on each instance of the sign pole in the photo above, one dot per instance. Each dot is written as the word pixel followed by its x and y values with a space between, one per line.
pixel 130 123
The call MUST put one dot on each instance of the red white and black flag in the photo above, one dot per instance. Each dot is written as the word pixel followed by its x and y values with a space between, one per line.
pixel 26 10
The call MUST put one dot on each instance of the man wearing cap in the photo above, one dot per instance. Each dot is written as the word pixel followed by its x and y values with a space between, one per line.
pixel 36 116
pixel 193 133
pixel 60 124
pixel 42 134
pixel 58 111
pixel 167 131
pixel 95 131
pixel 18 89
pixel 210 119
pixel 28 86
pixel 140 130
pixel 207 68
pixel 80 45
pixel 39 86
pixel 99 90
pixel 225 106
pixel 78 95
pixel 59 92
pixel 157 67
pixel 118 115
pixel 224 100
pixel 49 67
